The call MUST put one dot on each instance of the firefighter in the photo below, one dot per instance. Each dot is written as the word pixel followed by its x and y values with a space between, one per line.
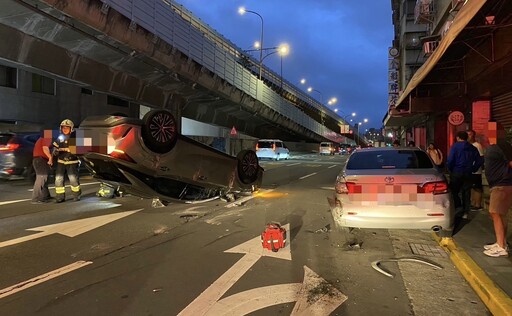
pixel 67 162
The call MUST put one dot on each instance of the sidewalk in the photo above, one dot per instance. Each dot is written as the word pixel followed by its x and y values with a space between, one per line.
pixel 491 278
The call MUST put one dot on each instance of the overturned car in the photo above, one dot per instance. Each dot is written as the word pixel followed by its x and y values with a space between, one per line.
pixel 150 159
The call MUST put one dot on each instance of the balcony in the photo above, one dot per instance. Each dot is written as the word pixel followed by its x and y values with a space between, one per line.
pixel 424 12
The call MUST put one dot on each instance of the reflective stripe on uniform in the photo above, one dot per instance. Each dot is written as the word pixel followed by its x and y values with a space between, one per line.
pixel 67 162
pixel 60 190
pixel 75 189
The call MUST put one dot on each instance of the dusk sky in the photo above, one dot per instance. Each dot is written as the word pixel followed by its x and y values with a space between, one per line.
pixel 339 46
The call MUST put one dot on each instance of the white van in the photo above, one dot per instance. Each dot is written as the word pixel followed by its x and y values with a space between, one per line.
pixel 272 149
pixel 326 148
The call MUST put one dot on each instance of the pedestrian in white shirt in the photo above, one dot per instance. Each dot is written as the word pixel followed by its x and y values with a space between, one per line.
pixel 477 188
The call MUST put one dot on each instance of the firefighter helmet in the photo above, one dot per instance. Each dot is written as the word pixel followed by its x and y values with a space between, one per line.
pixel 67 122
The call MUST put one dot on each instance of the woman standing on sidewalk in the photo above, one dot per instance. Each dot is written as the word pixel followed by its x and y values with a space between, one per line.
pixel 436 155
pixel 498 171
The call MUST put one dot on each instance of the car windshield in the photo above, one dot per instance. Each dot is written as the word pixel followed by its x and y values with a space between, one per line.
pixel 324 145
pixel 389 159
pixel 264 144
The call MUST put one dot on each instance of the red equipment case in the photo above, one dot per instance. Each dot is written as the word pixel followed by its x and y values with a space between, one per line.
pixel 274 237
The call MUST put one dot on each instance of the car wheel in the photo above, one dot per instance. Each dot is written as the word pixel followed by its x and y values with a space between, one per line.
pixel 159 131
pixel 248 166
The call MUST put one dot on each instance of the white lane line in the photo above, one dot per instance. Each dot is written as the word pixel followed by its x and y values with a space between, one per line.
pixel 309 175
pixel 68 186
pixel 13 201
pixel 332 166
pixel 42 278
pixel 294 164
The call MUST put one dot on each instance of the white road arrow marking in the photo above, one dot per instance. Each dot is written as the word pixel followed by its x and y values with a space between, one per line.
pixel 253 252
pixel 70 229
pixel 326 300
pixel 317 296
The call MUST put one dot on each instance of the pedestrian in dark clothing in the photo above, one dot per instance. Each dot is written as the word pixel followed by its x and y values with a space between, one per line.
pixel 498 171
pixel 41 161
pixel 463 160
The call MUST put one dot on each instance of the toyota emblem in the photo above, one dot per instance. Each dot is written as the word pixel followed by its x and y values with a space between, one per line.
pixel 389 180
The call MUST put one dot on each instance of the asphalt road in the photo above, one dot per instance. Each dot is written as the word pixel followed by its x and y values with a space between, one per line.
pixel 123 257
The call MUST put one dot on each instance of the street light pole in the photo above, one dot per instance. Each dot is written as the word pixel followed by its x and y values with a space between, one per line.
pixel 243 10
pixel 310 89
pixel 282 50
pixel 281 71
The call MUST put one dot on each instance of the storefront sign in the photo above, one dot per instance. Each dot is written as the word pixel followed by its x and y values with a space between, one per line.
pixel 456 118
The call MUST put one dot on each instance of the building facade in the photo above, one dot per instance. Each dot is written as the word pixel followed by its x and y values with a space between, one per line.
pixel 454 69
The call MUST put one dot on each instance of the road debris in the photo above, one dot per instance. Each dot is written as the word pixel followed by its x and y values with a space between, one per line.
pixel 375 264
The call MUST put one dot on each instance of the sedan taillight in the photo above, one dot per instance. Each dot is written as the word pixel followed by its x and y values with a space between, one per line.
pixel 348 188
pixel 9 147
pixel 438 187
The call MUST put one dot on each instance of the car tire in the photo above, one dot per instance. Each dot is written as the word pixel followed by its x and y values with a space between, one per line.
pixel 247 166
pixel 159 131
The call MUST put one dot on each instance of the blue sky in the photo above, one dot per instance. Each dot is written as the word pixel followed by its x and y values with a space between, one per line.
pixel 339 46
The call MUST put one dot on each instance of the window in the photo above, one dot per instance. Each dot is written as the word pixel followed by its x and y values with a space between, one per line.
pixel 86 91
pixel 42 84
pixel 389 159
pixel 264 144
pixel 8 77
pixel 117 101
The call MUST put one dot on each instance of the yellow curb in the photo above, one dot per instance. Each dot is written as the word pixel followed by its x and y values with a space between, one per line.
pixel 497 301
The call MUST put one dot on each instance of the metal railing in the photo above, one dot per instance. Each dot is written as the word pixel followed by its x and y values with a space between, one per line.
pixel 177 26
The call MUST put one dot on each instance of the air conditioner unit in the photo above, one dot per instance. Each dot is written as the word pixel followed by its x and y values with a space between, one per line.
pixel 429 47
pixel 457 4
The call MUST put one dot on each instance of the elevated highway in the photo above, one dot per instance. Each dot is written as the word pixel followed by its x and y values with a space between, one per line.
pixel 156 53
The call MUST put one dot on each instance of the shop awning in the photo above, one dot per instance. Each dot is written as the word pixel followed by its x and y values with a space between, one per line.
pixel 463 17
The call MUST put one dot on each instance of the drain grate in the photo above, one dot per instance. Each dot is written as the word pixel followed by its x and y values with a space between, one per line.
pixel 427 250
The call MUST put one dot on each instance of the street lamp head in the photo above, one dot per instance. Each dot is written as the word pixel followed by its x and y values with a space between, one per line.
pixel 283 49
pixel 257 44
pixel 353 113
pixel 335 110
pixel 365 120
pixel 302 81
pixel 310 89
pixel 242 10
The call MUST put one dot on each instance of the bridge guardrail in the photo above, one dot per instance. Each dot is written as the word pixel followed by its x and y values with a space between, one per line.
pixel 182 30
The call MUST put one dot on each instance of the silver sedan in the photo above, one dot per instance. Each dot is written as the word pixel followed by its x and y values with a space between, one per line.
pixel 392 188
